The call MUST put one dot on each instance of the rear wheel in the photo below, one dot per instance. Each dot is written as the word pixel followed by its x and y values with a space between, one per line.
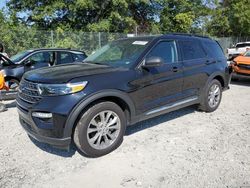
pixel 212 97
pixel 100 129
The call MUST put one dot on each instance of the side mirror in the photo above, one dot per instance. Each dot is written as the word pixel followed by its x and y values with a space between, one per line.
pixel 153 62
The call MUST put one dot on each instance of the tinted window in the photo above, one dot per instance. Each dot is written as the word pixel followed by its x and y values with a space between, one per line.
pixel 41 58
pixel 79 57
pixel 243 45
pixel 213 49
pixel 165 50
pixel 64 57
pixel 192 50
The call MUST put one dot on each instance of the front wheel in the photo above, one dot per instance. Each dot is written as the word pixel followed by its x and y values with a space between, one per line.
pixel 211 97
pixel 100 129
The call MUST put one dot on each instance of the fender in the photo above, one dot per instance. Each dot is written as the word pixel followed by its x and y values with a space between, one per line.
pixel 210 78
pixel 69 125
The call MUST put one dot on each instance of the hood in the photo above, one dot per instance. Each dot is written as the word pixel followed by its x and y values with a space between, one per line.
pixel 65 73
pixel 242 59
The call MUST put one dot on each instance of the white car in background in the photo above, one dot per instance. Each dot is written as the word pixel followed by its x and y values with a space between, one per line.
pixel 238 49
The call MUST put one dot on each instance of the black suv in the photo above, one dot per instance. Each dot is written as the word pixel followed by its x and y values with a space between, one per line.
pixel 124 82
pixel 22 62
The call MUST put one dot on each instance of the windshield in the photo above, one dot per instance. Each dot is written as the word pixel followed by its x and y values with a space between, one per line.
pixel 121 53
pixel 18 57
pixel 247 54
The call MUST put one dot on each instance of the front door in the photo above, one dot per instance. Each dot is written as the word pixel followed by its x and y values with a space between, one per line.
pixel 38 60
pixel 159 85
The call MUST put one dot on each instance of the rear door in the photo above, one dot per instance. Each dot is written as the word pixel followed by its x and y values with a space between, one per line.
pixel 195 62
pixel 64 57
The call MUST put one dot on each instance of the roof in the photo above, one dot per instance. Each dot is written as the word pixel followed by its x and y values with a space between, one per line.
pixel 168 35
pixel 247 42
pixel 56 49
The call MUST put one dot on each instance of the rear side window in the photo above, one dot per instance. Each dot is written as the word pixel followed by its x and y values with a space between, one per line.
pixel 165 50
pixel 213 49
pixel 191 50
pixel 79 57
pixel 64 58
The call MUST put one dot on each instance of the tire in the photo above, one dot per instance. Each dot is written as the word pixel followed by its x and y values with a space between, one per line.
pixel 206 104
pixel 96 121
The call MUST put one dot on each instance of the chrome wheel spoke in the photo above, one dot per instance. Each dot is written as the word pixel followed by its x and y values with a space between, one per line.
pixel 102 116
pixel 93 139
pixel 111 136
pixel 92 130
pixel 93 122
pixel 108 117
pixel 112 122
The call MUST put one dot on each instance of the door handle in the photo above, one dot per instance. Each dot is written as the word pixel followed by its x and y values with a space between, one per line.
pixel 208 62
pixel 175 69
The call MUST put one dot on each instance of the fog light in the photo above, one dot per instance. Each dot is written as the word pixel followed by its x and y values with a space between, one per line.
pixel 42 115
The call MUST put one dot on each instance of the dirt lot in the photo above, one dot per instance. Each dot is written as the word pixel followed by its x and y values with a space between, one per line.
pixel 185 148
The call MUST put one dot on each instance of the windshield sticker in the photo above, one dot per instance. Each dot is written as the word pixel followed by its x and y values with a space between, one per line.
pixel 140 42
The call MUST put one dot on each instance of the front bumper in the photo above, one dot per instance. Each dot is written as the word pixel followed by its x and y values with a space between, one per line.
pixel 31 129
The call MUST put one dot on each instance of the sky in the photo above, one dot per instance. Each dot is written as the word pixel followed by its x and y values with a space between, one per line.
pixel 2 3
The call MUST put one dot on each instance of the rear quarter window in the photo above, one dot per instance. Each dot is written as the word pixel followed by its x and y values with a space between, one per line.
pixel 213 49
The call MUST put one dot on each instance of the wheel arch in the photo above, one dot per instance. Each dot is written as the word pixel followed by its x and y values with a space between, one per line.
pixel 218 76
pixel 116 96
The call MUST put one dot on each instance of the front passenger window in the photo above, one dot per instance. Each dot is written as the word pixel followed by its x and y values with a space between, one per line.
pixel 165 50
pixel 41 58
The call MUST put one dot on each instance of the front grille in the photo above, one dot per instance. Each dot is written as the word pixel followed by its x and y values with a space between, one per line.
pixel 28 92
pixel 244 66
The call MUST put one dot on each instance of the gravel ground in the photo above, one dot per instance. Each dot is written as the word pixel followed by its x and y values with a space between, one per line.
pixel 185 148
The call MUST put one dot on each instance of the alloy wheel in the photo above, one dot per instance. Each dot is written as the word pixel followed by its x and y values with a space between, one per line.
pixel 103 129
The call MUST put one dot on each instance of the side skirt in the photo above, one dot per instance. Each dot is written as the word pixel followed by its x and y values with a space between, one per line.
pixel 166 109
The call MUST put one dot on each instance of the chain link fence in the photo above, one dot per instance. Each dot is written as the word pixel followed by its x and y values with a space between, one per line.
pixel 228 42
pixel 25 39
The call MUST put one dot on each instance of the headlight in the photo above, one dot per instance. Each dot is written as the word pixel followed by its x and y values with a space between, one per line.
pixel 60 89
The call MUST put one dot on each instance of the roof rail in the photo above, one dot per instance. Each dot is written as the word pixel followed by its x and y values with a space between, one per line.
pixel 190 34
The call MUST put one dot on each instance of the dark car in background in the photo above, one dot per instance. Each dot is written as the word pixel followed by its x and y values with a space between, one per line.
pixel 15 66
pixel 124 82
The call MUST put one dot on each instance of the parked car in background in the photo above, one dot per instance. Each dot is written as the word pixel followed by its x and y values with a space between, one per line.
pixel 239 48
pixel 241 65
pixel 124 82
pixel 15 66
